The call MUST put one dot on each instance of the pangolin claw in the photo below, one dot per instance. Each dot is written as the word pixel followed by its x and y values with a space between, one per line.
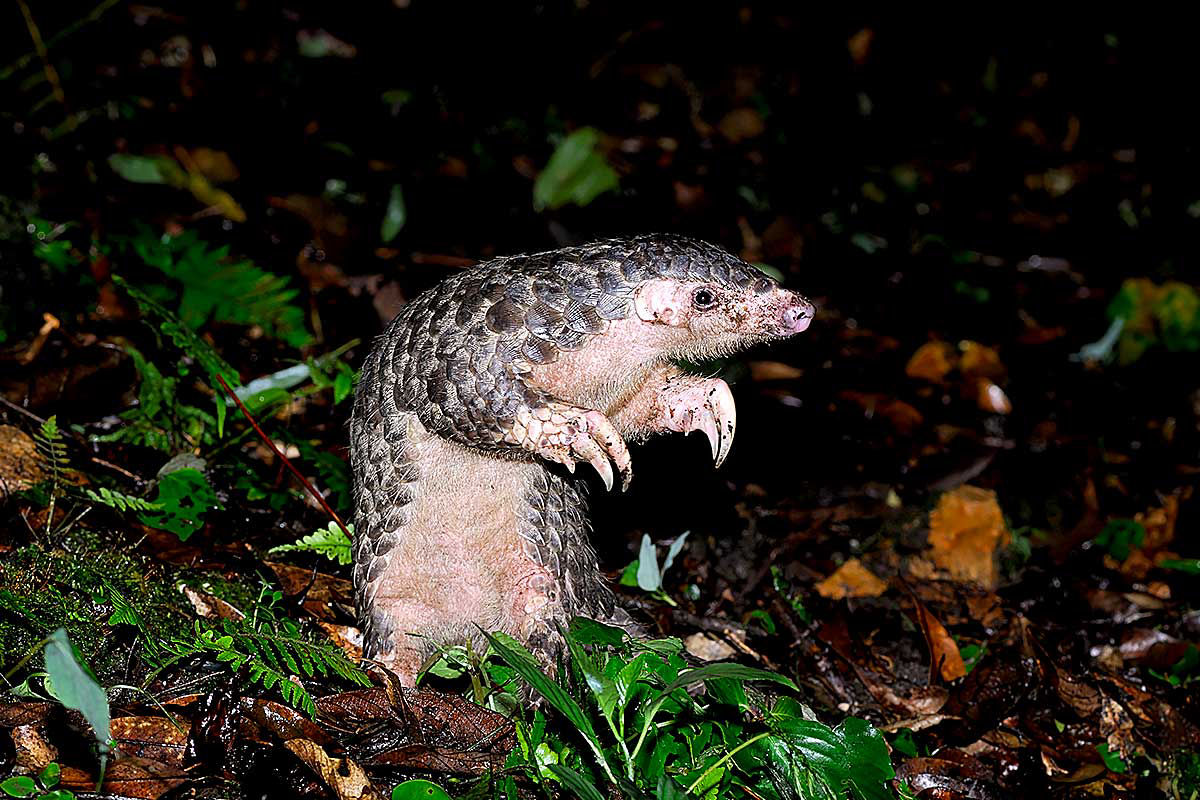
pixel 724 418
pixel 569 434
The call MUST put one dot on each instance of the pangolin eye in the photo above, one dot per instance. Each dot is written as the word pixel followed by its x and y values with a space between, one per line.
pixel 703 298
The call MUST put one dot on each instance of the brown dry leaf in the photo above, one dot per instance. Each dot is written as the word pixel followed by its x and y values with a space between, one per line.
pixel 741 123
pixel 851 579
pixel 33 751
pixel 20 465
pixel 859 45
pixel 965 531
pixel 342 775
pixel 931 362
pixel 943 650
pixel 153 738
pixel 980 361
pixel 774 371
pixel 707 648
pixel 1160 523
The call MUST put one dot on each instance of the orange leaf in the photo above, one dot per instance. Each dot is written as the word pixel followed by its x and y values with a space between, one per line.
pixel 851 579
pixel 965 530
pixel 931 361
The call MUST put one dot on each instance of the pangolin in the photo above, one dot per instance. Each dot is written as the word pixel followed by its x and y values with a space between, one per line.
pixel 483 382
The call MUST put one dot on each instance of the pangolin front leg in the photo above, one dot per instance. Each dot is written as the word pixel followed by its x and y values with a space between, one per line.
pixel 567 434
pixel 672 400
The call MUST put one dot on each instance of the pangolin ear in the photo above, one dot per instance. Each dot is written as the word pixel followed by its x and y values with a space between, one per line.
pixel 664 302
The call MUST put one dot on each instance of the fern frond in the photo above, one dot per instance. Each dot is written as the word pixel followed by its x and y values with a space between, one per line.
pixel 52 450
pixel 118 501
pixel 330 542
pixel 272 657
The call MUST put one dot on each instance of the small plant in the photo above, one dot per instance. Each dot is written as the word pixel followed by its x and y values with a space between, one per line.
pixel 215 287
pixel 646 573
pixel 656 728
pixel 268 651
pixel 330 542
pixel 41 788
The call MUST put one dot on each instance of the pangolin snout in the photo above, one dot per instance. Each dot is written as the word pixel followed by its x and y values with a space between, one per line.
pixel 797 314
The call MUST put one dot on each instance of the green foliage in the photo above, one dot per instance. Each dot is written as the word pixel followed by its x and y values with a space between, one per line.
pixel 576 173
pixel 395 216
pixel 215 287
pixel 645 572
pixel 419 790
pixel 1120 536
pixel 161 420
pixel 1184 671
pixel 184 337
pixel 330 542
pixel 73 684
pixel 661 740
pixel 271 653
pixel 1166 315
pixel 183 497
pixel 119 501
pixel 52 451
pixel 1112 760
pixel 41 789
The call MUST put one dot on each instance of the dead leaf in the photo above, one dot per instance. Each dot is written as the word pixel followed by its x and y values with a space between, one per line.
pixel 980 361
pixel 20 464
pixel 965 532
pixel 707 648
pixel 931 362
pixel 774 371
pixel 851 579
pixel 943 650
pixel 740 124
pixel 153 738
pixel 342 775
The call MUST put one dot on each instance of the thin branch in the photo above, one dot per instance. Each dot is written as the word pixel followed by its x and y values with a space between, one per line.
pixel 284 459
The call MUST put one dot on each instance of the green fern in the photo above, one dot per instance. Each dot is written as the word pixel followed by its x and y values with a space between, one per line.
pixel 184 337
pixel 53 453
pixel 119 501
pixel 270 655
pixel 160 420
pixel 216 287
pixel 330 542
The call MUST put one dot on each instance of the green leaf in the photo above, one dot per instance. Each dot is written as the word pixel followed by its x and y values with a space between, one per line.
pixel 184 496
pixel 419 790
pixel 1190 566
pixel 329 541
pixel 72 684
pixel 1120 536
pixel 143 169
pixel 673 551
pixel 726 670
pixel 18 786
pixel 216 287
pixel 589 631
pixel 649 576
pixel 395 216
pixel 1112 760
pixel 49 775
pixel 580 786
pixel 576 173
pixel 521 660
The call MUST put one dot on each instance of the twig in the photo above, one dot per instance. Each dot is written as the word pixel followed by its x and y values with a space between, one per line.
pixel 284 459
pixel 43 54
pixel 22 61
pixel 94 459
